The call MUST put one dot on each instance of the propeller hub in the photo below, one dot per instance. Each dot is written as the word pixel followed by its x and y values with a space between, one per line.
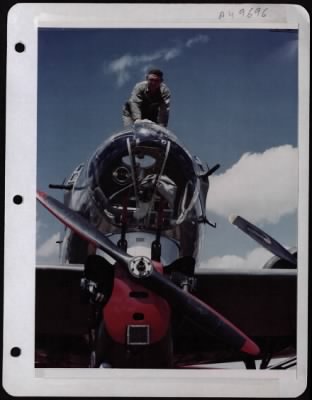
pixel 140 267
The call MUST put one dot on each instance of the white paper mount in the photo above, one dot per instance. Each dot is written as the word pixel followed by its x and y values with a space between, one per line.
pixel 20 377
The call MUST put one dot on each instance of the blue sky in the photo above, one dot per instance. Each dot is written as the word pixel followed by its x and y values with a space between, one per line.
pixel 234 102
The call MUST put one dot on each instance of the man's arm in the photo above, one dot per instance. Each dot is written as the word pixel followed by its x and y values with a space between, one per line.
pixel 135 101
pixel 165 106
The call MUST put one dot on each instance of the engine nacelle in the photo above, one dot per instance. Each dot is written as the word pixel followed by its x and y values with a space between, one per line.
pixel 278 263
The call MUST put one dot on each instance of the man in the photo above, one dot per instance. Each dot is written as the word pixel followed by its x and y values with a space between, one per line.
pixel 149 99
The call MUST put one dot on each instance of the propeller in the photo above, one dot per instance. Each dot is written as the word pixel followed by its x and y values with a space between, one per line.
pixel 263 238
pixel 142 268
pixel 82 227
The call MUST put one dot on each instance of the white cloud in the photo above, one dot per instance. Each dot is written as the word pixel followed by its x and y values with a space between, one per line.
pixel 39 226
pixel 261 187
pixel 120 67
pixel 125 64
pixel 255 259
pixel 197 39
pixel 49 248
pixel 172 53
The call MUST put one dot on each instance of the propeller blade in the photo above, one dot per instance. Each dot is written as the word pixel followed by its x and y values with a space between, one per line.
pixel 263 238
pixel 193 308
pixel 82 227
pixel 200 313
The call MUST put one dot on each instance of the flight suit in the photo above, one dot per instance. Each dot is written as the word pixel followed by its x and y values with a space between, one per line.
pixel 146 105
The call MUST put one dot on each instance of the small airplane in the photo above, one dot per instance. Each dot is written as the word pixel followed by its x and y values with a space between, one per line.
pixel 126 293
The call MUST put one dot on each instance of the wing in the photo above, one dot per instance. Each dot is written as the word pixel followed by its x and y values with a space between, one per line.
pixel 261 302
pixel 60 309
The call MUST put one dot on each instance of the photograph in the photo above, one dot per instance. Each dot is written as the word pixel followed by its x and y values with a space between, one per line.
pixel 167 198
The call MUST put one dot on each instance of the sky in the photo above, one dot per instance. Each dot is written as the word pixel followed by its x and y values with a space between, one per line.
pixel 234 102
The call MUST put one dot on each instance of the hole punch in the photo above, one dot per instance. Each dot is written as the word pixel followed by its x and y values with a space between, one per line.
pixel 19 47
pixel 18 199
pixel 15 352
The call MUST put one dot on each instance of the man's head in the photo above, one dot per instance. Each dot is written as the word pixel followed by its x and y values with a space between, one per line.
pixel 154 78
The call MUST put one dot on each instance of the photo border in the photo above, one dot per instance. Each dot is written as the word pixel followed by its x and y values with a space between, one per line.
pixel 20 377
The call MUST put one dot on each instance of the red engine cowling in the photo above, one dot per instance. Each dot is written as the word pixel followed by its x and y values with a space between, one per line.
pixel 135 315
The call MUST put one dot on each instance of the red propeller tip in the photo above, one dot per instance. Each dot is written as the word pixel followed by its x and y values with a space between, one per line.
pixel 250 347
pixel 41 194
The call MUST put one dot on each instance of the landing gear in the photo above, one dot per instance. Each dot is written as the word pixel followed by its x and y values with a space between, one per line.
pixel 100 345
pixel 250 363
pixel 98 281
pixel 97 286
